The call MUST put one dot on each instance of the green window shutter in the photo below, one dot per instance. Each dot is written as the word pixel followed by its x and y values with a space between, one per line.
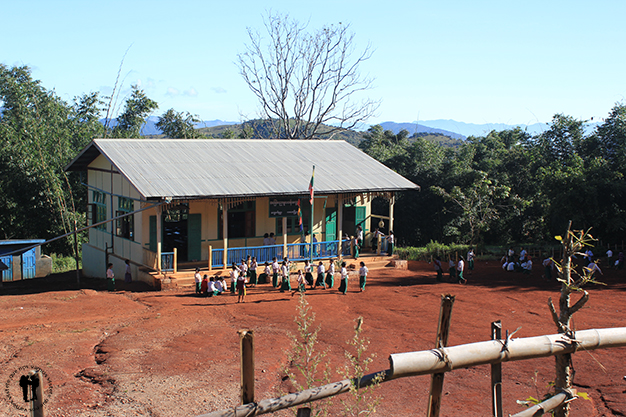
pixel 194 234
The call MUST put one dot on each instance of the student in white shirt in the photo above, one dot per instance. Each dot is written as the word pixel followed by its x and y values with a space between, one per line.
pixel 362 276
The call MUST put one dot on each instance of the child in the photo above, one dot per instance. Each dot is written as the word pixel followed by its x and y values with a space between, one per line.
pixel 320 275
pixel 452 268
pixel 213 291
pixel 241 288
pixel 592 268
pixel 286 285
pixel 128 278
pixel 460 266
pixel 330 275
pixel 438 269
pixel 110 278
pixel 362 276
pixel 343 287
pixel 243 268
pixel 308 276
pixel 527 266
pixel 197 278
pixel 252 273
pixel 275 268
pixel 301 284
pixel 470 260
pixel 264 277
pixel 390 242
pixel 219 285
pixel 204 285
pixel 548 265
pixel 234 275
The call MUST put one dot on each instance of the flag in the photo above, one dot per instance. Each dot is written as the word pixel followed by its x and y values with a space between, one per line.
pixel 299 216
pixel 311 186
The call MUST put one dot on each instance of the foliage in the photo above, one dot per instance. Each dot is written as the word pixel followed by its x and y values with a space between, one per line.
pixel 137 109
pixel 178 125
pixel 62 263
pixel 431 250
pixel 573 243
pixel 361 400
pixel 39 135
pixel 307 368
pixel 305 79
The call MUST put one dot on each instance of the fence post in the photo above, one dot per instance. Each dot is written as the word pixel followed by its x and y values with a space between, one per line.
pixel 496 373
pixel 304 412
pixel 246 339
pixel 175 260
pixel 36 402
pixel 443 330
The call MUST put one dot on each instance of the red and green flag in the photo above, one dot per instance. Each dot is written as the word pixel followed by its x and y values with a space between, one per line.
pixel 311 186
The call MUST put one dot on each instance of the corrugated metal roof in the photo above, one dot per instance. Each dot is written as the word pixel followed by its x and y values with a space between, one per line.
pixel 212 168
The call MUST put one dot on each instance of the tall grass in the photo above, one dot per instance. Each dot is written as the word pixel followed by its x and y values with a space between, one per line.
pixel 432 249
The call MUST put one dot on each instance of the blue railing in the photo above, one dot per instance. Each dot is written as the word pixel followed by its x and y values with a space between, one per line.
pixel 295 252
pixel 167 261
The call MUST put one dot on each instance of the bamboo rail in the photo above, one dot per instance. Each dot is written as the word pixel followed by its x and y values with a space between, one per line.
pixel 445 360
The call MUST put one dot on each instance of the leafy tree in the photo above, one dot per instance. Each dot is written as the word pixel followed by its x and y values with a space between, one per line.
pixel 39 135
pixel 479 203
pixel 305 79
pixel 137 109
pixel 178 125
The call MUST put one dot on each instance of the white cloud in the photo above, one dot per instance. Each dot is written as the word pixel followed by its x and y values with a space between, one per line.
pixel 218 90
pixel 191 92
pixel 172 92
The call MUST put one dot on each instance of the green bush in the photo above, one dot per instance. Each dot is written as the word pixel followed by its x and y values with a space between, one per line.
pixel 62 263
pixel 432 249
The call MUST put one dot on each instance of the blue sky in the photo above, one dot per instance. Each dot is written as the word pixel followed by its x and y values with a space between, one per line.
pixel 475 62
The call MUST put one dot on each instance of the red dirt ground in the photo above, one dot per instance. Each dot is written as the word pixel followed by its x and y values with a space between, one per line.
pixel 139 352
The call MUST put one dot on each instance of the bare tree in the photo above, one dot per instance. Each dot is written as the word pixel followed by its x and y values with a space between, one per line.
pixel 304 80
pixel 571 282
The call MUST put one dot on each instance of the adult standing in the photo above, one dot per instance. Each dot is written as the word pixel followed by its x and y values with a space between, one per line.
pixel 609 257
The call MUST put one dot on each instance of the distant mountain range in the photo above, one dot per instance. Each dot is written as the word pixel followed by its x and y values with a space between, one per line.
pixel 450 128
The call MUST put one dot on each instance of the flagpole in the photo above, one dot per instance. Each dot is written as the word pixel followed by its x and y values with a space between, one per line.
pixel 312 213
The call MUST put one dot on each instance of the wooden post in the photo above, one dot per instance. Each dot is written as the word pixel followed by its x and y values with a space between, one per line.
pixel 210 257
pixel 304 412
pixel 175 266
pixel 246 339
pixel 443 330
pixel 225 236
pixel 496 374
pixel 36 402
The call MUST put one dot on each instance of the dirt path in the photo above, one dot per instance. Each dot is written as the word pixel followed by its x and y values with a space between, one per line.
pixel 137 352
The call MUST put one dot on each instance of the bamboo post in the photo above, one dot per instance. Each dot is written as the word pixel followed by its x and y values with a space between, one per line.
pixel 496 373
pixel 246 339
pixel 443 330
pixel 175 266
pixel 210 257
pixel 36 403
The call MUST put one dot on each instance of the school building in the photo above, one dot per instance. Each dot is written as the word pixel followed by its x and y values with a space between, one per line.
pixel 165 204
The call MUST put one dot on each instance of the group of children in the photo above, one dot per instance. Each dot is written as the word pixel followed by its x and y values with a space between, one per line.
pixel 246 274
pixel 523 263
pixel 455 269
